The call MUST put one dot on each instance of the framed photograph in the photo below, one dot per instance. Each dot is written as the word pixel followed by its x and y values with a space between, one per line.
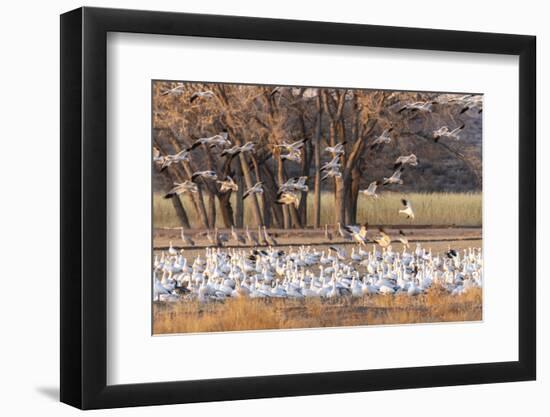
pixel 259 208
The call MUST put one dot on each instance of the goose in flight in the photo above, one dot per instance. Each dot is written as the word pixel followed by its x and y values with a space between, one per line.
pixel 248 147
pixel 292 147
pixel 424 106
pixel 178 89
pixel 210 175
pixel 295 156
pixel 333 164
pixel 256 189
pixel 337 149
pixel 184 187
pixel 288 197
pixel 472 102
pixel 370 191
pixel 383 239
pixel 444 131
pixel 411 160
pixel 332 173
pixel 382 139
pixel 403 239
pixel 228 185
pixel 201 94
pixel 451 98
pixel 408 211
pixel 157 157
pixel 186 239
pixel 233 151
pixel 395 178
pixel 181 156
pixel 294 184
pixel 221 139
pixel 359 234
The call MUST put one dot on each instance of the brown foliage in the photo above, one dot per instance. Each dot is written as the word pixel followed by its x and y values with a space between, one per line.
pixel 436 305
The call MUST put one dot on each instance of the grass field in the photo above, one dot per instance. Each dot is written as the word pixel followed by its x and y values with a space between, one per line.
pixel 464 209
pixel 436 305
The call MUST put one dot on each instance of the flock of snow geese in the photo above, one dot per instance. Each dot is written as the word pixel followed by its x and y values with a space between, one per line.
pixel 306 272
pixel 271 272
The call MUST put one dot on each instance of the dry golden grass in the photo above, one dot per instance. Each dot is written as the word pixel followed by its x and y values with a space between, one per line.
pixel 431 209
pixel 436 305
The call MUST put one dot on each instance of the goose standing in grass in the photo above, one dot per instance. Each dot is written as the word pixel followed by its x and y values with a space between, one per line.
pixel 184 187
pixel 186 239
pixel 268 238
pixel 209 175
pixel 261 237
pixel 237 237
pixel 220 238
pixel 444 131
pixel 370 191
pixel 171 250
pixel 227 185
pixel 408 211
pixel 252 240
pixel 411 160
pixel 395 178
pixel 382 139
pixel 328 235
pixel 343 232
pixel 256 189
pixel 222 274
pixel 201 94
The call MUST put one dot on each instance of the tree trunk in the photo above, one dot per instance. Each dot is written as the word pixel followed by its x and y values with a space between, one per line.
pixel 271 191
pixel 266 212
pixel 354 195
pixel 250 184
pixel 212 210
pixel 239 206
pixel 281 180
pixel 225 209
pixel 317 158
pixel 339 199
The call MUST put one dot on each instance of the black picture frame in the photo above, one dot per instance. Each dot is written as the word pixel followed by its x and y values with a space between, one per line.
pixel 84 207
